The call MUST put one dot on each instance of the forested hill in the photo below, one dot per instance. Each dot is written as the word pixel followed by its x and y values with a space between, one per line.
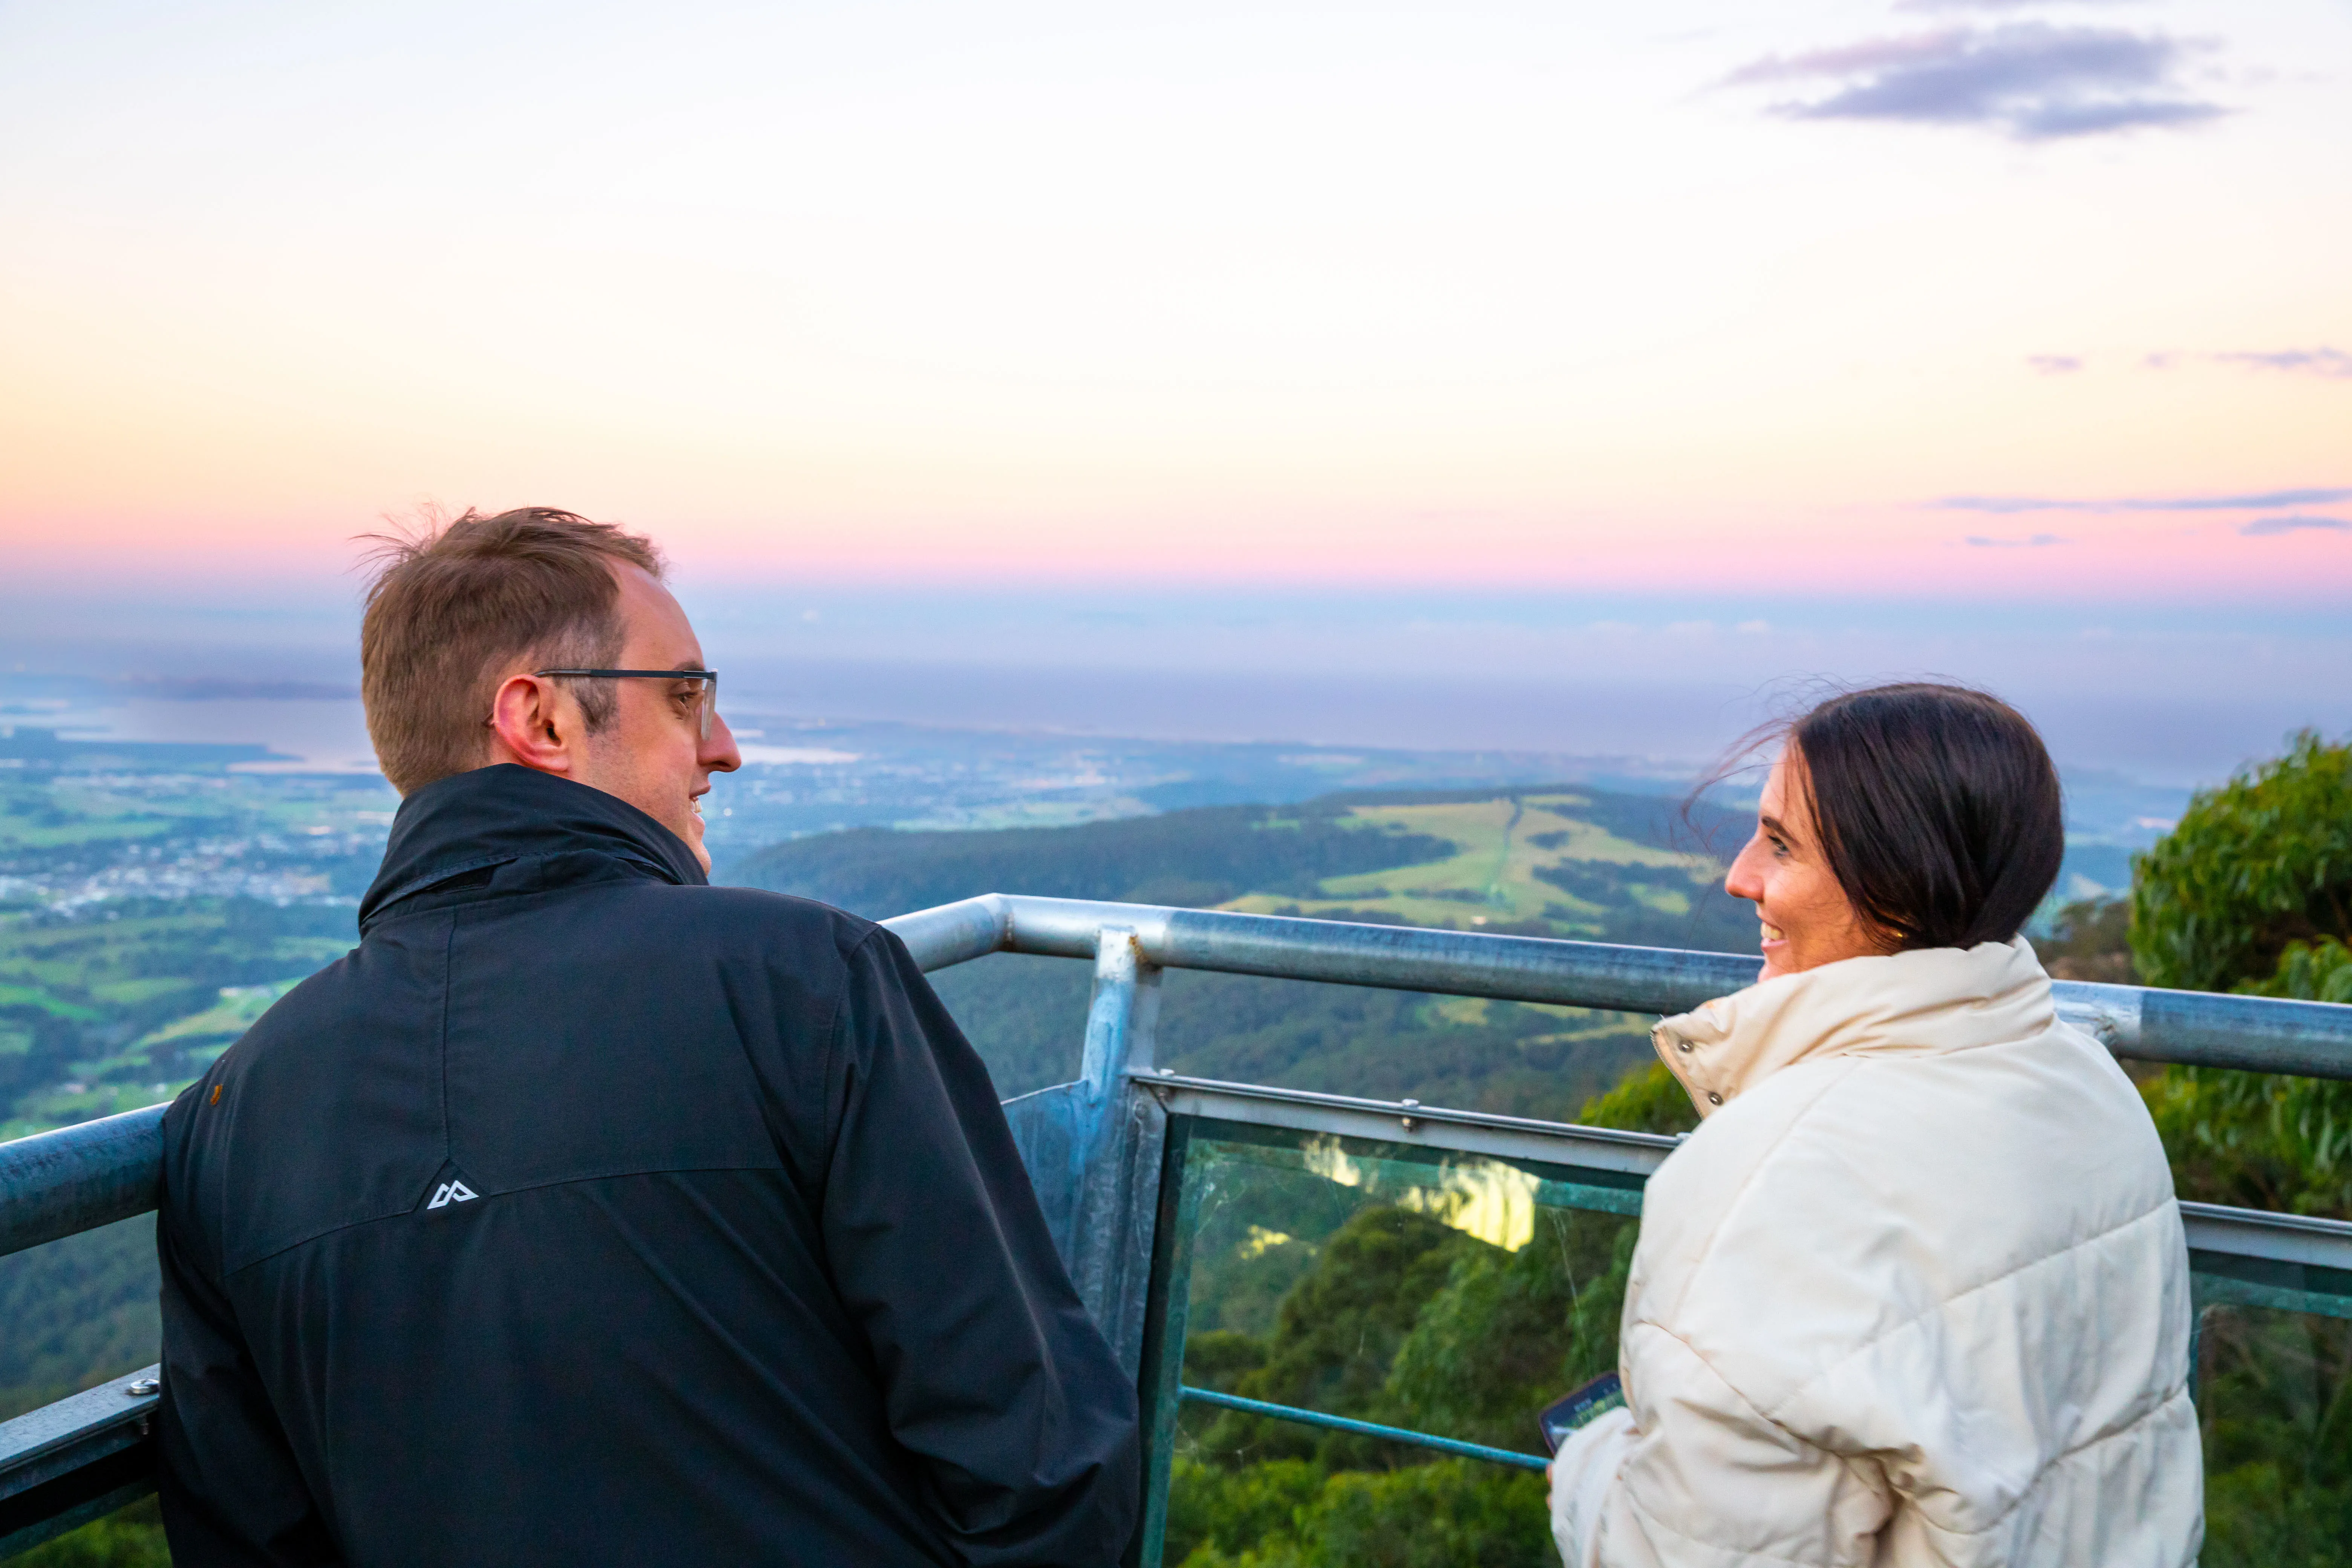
pixel 1550 860
pixel 1196 857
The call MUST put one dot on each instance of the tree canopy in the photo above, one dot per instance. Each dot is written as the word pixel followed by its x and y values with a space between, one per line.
pixel 2250 893
pixel 2255 865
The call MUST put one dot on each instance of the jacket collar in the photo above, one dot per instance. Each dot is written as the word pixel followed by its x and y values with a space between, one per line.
pixel 495 816
pixel 1930 1001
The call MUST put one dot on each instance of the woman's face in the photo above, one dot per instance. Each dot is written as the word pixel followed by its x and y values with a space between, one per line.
pixel 1808 921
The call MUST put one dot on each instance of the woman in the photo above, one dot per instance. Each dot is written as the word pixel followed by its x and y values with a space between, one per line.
pixel 1915 1291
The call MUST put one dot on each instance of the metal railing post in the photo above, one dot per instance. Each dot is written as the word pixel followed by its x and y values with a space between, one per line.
pixel 1124 1013
pixel 1116 1149
pixel 1159 1383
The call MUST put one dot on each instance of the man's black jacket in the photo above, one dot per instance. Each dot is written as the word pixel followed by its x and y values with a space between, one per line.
pixel 588 1213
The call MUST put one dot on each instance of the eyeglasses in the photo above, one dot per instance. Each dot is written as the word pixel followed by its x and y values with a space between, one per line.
pixel 705 697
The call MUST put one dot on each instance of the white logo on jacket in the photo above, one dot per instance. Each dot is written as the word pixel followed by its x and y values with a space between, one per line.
pixel 450 1193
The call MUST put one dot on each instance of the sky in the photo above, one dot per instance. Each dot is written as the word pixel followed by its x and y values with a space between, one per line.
pixel 1687 347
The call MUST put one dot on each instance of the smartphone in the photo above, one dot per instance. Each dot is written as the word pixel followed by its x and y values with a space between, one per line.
pixel 1565 1415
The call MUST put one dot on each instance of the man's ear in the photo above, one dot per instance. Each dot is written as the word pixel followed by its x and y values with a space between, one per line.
pixel 532 724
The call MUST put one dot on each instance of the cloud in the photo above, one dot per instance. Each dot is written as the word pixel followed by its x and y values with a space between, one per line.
pixel 2268 500
pixel 2263 526
pixel 2031 541
pixel 2034 81
pixel 2053 364
pixel 2333 364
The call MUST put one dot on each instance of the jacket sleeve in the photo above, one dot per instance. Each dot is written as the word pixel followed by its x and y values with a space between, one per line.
pixel 992 1374
pixel 1583 1473
pixel 231 1493
pixel 1691 1473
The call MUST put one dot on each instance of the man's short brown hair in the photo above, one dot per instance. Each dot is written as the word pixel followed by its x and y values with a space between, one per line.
pixel 451 607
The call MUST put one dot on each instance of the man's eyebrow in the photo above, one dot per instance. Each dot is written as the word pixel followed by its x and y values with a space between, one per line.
pixel 1772 825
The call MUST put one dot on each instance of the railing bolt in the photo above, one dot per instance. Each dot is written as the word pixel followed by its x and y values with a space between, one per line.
pixel 142 1388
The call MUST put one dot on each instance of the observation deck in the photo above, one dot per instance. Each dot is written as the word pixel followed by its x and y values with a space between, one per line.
pixel 1127 1156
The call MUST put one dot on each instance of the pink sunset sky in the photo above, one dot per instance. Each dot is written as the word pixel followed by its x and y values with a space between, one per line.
pixel 1996 303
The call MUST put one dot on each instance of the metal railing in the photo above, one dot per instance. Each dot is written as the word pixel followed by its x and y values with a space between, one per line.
pixel 1452 1446
pixel 1107 1152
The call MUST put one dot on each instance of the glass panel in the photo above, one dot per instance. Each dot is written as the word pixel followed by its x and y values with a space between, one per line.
pixel 2274 1398
pixel 131 1537
pixel 1457 1295
pixel 1449 1294
pixel 76 1311
pixel 1025 1014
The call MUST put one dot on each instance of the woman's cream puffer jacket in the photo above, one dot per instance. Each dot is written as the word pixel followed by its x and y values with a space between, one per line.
pixel 1915 1292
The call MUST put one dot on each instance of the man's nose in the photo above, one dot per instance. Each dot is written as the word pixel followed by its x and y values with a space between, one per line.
pixel 720 754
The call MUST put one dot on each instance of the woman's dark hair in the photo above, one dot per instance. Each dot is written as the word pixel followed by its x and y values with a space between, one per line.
pixel 1936 808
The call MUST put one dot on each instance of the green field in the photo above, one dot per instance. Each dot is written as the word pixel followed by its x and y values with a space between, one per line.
pixel 40 812
pixel 120 1006
pixel 1518 860
pixel 147 917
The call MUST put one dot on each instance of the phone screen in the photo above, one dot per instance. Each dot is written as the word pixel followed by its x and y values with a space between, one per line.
pixel 1565 1415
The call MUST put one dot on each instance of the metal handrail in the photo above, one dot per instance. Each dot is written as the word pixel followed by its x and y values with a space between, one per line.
pixel 77 1178
pixel 67 1463
pixel 1410 1121
pixel 2312 1039
pixel 55 1184
pixel 2215 1229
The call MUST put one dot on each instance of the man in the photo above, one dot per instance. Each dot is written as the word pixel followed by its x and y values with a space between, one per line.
pixel 587 1213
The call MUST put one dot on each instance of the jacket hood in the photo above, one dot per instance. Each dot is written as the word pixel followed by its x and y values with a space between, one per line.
pixel 1933 1000
pixel 494 816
